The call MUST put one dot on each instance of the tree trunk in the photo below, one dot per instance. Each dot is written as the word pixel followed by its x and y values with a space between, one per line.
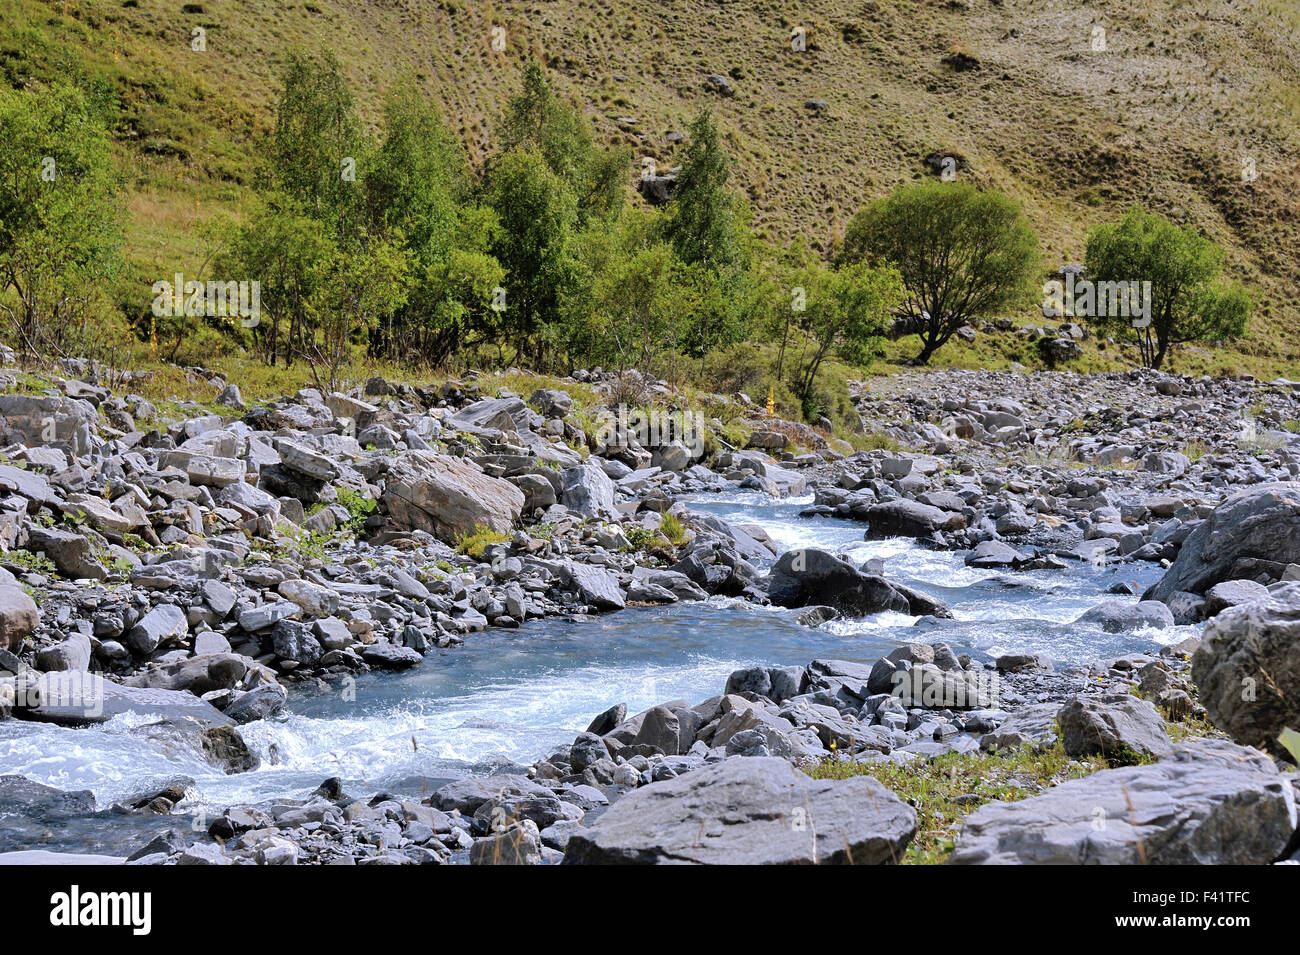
pixel 1159 358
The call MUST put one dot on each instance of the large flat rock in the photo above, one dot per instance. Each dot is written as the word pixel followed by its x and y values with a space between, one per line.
pixel 1212 803
pixel 81 699
pixel 749 811
pixel 448 497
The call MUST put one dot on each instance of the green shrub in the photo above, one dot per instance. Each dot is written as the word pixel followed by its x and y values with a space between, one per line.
pixel 640 538
pixel 31 562
pixel 472 545
pixel 358 506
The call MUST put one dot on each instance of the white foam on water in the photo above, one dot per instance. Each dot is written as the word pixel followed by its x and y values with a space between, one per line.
pixel 514 696
pixel 889 620
pixel 369 741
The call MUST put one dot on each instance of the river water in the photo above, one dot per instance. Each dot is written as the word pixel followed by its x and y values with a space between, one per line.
pixel 512 695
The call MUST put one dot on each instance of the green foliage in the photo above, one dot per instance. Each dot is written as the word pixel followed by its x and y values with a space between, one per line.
pixel 844 312
pixel 418 178
pixel 186 126
pixel 537 119
pixel 672 528
pixel 724 304
pixel 702 223
pixel 60 232
pixel 358 506
pixel 286 248
pixel 626 306
pixel 1189 302
pixel 473 545
pixel 308 241
pixel 318 142
pixel 640 538
pixel 355 289
pixel 400 262
pixel 538 213
pixel 749 368
pixel 313 545
pixel 30 562
pixel 363 248
pixel 1125 756
pixel 1290 741
pixel 418 186
pixel 963 254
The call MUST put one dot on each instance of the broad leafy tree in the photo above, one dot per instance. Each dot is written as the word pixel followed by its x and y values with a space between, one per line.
pixel 60 237
pixel 963 254
pixel 284 249
pixel 844 315
pixel 319 145
pixel 1189 300
pixel 418 186
pixel 537 118
pixel 355 288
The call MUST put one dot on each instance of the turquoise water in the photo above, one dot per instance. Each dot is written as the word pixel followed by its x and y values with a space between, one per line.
pixel 512 695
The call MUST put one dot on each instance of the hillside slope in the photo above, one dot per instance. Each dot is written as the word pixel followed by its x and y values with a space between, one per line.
pixel 1165 115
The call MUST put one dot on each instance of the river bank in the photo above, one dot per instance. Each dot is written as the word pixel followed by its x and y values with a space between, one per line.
pixel 375 658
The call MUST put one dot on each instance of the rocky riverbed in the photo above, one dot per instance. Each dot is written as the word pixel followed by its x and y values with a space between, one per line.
pixel 255 605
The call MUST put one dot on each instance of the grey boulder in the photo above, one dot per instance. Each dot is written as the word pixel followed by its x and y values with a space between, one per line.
pixel 595 585
pixel 18 616
pixel 992 554
pixel 812 577
pixel 1211 803
pixel 81 699
pixel 71 653
pixel 389 656
pixel 1232 593
pixel 749 811
pixel 1113 726
pixel 258 703
pixel 589 491
pixel 906 518
pixel 164 622
pixel 1247 668
pixel 448 497
pixel 1118 616
pixel 1033 726
pixel 1261 523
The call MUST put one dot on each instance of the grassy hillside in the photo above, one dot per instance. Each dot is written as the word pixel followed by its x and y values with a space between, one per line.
pixel 1164 115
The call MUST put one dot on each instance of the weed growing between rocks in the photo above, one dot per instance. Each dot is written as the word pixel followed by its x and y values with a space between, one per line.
pixel 673 530
pixel 359 508
pixel 24 561
pixel 640 539
pixel 1189 728
pixel 875 441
